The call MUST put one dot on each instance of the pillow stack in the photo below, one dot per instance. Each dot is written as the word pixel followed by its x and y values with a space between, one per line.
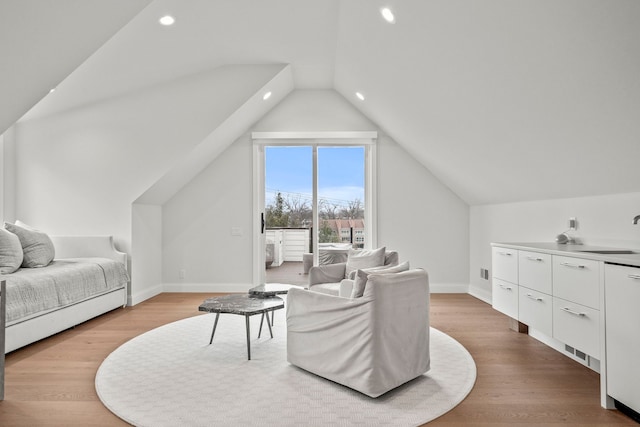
pixel 363 275
pixel 24 246
pixel 357 260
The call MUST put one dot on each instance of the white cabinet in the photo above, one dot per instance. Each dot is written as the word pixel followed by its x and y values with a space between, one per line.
pixel 534 299
pixel 505 281
pixel 576 303
pixel 556 295
pixel 622 296
pixel 534 271
pixel 577 325
pixel 535 309
pixel 505 264
pixel 577 300
pixel 505 297
pixel 577 280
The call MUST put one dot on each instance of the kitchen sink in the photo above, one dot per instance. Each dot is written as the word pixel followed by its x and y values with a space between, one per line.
pixel 610 251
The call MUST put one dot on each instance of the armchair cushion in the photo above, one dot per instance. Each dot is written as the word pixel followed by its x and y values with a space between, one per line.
pixel 359 259
pixel 363 275
pixel 327 288
pixel 371 344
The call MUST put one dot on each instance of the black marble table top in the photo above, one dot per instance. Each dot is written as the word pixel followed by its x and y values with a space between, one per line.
pixel 271 289
pixel 241 304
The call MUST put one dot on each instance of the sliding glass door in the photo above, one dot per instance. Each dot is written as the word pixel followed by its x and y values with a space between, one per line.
pixel 314 208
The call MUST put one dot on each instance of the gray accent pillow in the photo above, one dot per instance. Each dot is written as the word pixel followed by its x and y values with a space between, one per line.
pixel 359 259
pixel 363 275
pixel 37 247
pixel 10 252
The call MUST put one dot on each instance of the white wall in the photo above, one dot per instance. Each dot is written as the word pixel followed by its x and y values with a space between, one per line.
pixel 146 250
pixel 79 171
pixel 7 176
pixel 197 222
pixel 602 220
pixel 417 215
pixel 425 221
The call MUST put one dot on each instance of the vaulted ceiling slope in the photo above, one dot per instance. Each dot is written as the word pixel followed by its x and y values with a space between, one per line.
pixel 41 42
pixel 503 101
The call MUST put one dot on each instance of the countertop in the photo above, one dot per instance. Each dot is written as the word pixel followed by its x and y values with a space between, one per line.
pixel 577 251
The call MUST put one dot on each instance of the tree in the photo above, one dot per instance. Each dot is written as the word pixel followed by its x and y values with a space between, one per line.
pixel 275 213
pixel 327 210
pixel 326 234
pixel 298 210
pixel 353 211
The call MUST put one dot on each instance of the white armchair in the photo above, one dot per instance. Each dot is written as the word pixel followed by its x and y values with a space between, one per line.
pixel 371 344
pixel 330 278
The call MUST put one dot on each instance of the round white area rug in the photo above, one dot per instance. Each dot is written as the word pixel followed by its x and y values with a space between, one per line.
pixel 171 376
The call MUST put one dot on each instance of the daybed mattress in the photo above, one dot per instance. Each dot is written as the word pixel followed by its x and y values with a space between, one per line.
pixel 35 291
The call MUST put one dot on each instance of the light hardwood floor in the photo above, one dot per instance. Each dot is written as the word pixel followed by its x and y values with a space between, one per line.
pixel 520 382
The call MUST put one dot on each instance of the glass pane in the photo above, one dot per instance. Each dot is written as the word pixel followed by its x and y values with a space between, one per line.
pixel 288 212
pixel 340 199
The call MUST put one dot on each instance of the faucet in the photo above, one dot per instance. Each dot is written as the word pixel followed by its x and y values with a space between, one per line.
pixel 636 219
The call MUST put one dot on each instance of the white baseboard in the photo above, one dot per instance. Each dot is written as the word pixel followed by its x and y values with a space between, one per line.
pixel 448 288
pixel 481 294
pixel 138 297
pixel 207 287
pixel 436 288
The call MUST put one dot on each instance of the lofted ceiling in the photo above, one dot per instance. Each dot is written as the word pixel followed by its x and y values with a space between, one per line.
pixel 41 42
pixel 502 100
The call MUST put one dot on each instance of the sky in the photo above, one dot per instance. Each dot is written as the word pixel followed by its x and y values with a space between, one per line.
pixel 340 172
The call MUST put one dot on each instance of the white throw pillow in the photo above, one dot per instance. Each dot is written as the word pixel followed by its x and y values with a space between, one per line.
pixel 363 275
pixel 37 247
pixel 364 259
pixel 10 252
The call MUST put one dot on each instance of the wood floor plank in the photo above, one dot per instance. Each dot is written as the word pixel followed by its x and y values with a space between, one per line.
pixel 521 382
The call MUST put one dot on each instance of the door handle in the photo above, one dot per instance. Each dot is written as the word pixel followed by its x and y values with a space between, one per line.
pixel 262 223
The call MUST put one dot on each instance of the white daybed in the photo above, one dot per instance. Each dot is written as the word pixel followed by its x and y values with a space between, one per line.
pixel 75 306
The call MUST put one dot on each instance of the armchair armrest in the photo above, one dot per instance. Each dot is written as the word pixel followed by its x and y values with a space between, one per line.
pixel 328 273
pixel 327 333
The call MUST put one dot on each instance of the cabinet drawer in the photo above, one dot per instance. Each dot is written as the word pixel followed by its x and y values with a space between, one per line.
pixel 505 264
pixel 577 325
pixel 534 271
pixel 535 309
pixel 576 279
pixel 505 297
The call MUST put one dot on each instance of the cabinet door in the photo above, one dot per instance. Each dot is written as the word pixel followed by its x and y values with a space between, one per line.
pixel 505 297
pixel 622 296
pixel 535 309
pixel 577 325
pixel 534 271
pixel 576 279
pixel 505 264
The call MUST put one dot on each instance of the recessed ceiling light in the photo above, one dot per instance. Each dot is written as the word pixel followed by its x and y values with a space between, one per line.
pixel 52 90
pixel 360 96
pixel 388 15
pixel 167 20
pixel 266 96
